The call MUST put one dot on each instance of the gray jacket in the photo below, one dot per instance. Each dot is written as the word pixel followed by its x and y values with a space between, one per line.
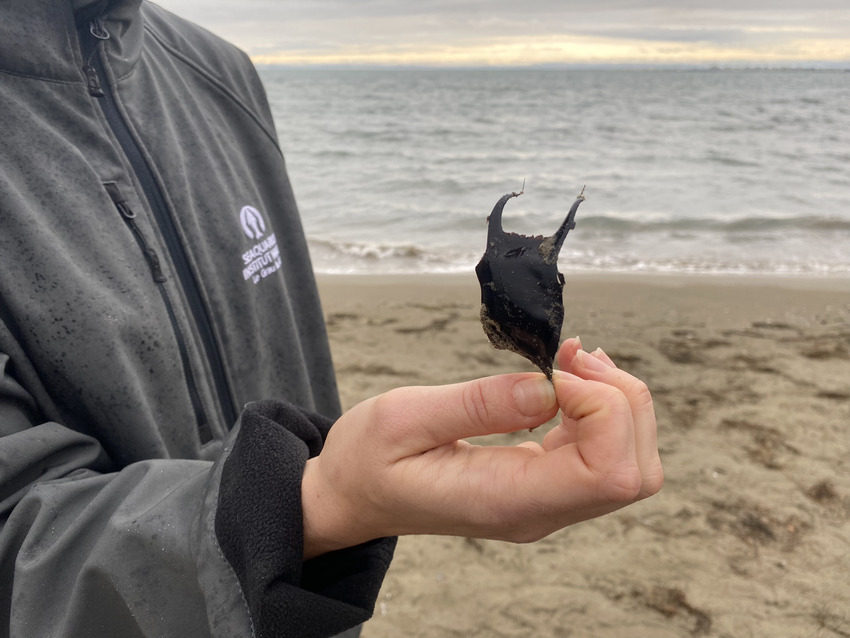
pixel 164 367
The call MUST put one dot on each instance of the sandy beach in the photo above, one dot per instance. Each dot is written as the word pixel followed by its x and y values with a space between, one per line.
pixel 750 535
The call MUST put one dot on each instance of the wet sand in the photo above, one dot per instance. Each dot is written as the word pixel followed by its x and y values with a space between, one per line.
pixel 750 535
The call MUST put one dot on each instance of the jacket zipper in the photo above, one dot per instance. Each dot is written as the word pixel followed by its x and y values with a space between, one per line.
pixel 99 88
pixel 129 215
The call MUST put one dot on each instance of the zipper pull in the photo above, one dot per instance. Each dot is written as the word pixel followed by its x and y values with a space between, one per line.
pixel 150 253
pixel 97 29
pixel 99 32
pixel 129 216
pixel 93 81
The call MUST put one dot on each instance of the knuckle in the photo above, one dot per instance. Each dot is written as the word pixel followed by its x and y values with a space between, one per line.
pixel 475 405
pixel 524 536
pixel 514 522
pixel 653 481
pixel 522 530
pixel 639 392
pixel 385 414
pixel 617 404
pixel 383 405
pixel 606 402
pixel 622 484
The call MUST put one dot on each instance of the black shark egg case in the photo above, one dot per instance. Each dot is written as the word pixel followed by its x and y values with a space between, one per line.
pixel 522 305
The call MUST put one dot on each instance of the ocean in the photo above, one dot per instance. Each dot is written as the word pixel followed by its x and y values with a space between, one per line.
pixel 685 171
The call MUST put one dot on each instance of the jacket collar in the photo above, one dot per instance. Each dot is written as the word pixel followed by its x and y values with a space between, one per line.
pixel 39 38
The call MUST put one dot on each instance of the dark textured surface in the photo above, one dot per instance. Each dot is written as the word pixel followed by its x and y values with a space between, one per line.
pixel 522 307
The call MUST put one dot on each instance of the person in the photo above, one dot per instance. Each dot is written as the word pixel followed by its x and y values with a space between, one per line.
pixel 167 461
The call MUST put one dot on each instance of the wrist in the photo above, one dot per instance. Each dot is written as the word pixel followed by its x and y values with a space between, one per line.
pixel 327 526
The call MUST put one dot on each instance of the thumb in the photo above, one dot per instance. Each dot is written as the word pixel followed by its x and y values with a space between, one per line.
pixel 416 419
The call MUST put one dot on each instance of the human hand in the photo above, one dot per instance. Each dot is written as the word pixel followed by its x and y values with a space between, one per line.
pixel 395 464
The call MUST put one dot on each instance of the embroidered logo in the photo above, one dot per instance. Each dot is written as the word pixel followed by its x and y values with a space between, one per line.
pixel 252 222
pixel 263 258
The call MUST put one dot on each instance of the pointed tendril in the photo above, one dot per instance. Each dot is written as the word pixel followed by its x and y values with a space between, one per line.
pixel 494 221
pixel 569 223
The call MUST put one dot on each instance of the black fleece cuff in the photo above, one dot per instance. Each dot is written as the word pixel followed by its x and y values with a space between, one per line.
pixel 259 526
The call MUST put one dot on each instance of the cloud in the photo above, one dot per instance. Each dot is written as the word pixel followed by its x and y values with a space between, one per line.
pixel 528 32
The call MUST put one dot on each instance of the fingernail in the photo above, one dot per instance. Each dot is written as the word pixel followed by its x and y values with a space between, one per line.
pixel 604 358
pixel 534 395
pixel 578 340
pixel 590 362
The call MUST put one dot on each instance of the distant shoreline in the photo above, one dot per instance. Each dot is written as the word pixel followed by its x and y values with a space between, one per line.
pixel 711 68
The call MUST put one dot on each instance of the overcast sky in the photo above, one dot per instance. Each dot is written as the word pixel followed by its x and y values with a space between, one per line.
pixel 519 32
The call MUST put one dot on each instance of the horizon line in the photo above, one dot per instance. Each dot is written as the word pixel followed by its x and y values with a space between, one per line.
pixel 808 65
